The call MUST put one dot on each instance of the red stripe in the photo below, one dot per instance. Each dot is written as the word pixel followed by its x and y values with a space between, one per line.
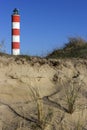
pixel 15 18
pixel 15 31
pixel 15 45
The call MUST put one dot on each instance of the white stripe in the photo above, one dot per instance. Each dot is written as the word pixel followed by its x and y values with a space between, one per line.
pixel 15 51
pixel 15 38
pixel 16 25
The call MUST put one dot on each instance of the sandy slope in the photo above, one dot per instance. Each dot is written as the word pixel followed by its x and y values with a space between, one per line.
pixel 51 79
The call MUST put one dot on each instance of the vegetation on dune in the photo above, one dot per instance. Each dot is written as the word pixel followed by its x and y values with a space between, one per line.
pixel 76 47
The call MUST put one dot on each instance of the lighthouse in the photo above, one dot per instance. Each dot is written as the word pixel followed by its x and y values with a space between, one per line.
pixel 15 38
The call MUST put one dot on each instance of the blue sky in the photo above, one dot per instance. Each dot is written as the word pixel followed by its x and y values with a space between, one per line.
pixel 45 24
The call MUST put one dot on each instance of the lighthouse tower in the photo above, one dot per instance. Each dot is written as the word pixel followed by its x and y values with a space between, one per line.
pixel 15 40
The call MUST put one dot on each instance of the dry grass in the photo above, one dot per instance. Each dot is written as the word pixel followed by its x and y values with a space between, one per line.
pixel 72 94
pixel 43 118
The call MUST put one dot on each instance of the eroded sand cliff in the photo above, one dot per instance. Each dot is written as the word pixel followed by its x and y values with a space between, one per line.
pixel 20 82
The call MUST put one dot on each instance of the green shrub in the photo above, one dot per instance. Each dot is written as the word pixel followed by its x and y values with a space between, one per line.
pixel 75 47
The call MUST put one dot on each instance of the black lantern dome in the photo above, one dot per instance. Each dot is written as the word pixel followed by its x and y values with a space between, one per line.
pixel 15 11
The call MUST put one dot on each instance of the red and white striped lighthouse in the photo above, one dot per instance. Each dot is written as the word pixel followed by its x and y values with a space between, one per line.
pixel 15 32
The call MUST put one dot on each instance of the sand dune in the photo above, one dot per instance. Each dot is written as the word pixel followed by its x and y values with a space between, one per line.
pixel 22 81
